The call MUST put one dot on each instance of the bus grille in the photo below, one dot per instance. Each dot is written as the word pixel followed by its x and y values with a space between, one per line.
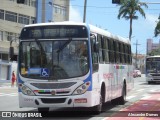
pixel 53 100
pixel 155 75
pixel 53 85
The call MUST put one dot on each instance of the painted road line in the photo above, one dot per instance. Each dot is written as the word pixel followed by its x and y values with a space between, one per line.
pixel 146 97
pixel 130 97
pixel 10 94
pixel 140 90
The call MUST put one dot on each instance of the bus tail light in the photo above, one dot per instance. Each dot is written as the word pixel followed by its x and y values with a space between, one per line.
pixel 82 89
pixel 25 90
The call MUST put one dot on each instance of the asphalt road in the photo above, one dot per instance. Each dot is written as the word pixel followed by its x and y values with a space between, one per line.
pixel 143 100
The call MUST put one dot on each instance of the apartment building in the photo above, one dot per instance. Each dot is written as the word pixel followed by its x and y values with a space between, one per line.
pixel 152 46
pixel 14 16
pixel 139 62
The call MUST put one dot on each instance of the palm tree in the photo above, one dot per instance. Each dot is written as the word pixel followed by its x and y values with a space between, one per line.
pixel 157 29
pixel 128 10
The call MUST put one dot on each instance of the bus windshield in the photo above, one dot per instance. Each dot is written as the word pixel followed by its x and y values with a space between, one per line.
pixel 53 60
pixel 153 66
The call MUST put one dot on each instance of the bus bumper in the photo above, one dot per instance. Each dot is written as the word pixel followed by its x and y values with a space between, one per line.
pixel 88 99
pixel 151 78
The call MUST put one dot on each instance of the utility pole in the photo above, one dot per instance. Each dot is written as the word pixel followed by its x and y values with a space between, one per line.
pixel 84 14
pixel 136 52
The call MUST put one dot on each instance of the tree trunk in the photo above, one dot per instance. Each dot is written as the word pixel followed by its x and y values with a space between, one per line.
pixel 130 30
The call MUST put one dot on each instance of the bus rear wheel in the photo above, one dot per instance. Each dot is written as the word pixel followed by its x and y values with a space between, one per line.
pixel 121 100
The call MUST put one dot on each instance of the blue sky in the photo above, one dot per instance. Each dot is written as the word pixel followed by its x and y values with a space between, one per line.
pixel 103 13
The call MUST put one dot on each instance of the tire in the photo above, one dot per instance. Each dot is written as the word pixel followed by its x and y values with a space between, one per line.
pixel 98 108
pixel 121 100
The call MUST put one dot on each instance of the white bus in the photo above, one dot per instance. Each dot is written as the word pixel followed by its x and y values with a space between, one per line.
pixel 68 64
pixel 152 69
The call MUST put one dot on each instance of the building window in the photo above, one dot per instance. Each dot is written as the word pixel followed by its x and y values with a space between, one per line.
pixel 59 10
pixel 1 35
pixel 33 3
pixel 63 12
pixel 9 36
pixel 4 56
pixel 23 19
pixel 33 20
pixel 11 16
pixel 2 14
pixel 27 2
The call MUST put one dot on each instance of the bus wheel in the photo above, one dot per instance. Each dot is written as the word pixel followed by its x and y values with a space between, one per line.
pixel 122 99
pixel 98 108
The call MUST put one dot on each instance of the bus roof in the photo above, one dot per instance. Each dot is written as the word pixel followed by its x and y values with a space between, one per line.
pixel 156 56
pixel 92 29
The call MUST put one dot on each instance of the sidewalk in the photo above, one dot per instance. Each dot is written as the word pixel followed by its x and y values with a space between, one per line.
pixel 5 83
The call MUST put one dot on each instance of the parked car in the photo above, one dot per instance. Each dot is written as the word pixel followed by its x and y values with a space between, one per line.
pixel 139 73
pixel 136 73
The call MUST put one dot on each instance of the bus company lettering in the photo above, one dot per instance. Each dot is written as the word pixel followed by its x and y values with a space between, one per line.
pixel 107 75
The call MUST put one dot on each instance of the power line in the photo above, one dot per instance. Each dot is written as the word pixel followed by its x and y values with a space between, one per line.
pixel 136 51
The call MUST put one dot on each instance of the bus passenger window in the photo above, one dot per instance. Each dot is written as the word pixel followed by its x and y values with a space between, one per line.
pixel 94 54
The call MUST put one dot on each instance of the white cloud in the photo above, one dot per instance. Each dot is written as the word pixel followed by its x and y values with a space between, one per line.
pixel 146 25
pixel 74 15
pixel 151 20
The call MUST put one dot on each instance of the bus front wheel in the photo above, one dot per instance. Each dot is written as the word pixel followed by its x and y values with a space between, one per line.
pixel 98 108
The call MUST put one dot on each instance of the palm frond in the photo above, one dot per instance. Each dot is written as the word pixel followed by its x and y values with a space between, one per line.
pixel 157 29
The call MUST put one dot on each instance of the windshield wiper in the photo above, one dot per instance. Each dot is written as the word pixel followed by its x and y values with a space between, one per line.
pixel 64 45
pixel 39 45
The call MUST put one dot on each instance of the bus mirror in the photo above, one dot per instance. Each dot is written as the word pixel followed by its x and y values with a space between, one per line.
pixel 92 36
pixel 11 52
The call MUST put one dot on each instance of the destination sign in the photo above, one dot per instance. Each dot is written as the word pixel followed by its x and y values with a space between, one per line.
pixel 153 59
pixel 53 32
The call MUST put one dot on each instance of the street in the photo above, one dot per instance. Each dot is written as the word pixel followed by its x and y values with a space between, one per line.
pixel 143 98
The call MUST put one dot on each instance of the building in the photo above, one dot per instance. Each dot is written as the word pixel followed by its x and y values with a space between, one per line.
pixel 152 46
pixel 14 16
pixel 140 62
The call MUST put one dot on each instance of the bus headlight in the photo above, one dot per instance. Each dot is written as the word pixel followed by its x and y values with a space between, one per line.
pixel 25 90
pixel 82 89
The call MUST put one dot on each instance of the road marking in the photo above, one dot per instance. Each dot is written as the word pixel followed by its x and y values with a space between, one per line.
pixel 10 94
pixel 145 98
pixel 130 97
pixel 140 90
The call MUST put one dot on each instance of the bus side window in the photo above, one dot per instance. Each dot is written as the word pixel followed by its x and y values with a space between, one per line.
pixel 114 51
pixel 94 54
pixel 117 52
pixel 100 41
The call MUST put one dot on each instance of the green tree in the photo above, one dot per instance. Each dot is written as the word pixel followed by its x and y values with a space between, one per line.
pixel 155 52
pixel 157 29
pixel 128 10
